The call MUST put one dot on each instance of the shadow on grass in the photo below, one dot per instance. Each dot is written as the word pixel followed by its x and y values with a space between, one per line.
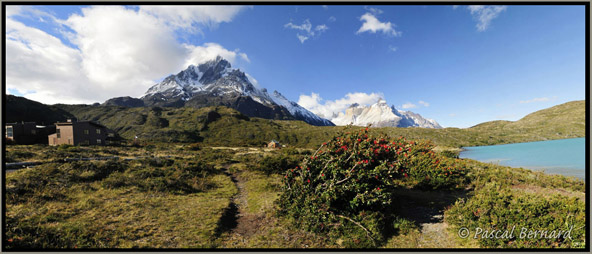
pixel 228 221
pixel 423 206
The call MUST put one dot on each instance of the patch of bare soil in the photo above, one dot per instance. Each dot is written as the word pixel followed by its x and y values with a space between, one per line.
pixel 427 208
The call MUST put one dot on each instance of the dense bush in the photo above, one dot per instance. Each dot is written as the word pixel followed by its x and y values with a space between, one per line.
pixel 346 186
pixel 497 208
pixel 429 170
pixel 277 163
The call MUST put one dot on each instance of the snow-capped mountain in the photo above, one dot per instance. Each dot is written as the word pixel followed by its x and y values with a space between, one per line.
pixel 216 83
pixel 382 115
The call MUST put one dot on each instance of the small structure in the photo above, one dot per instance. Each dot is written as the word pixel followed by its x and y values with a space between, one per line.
pixel 79 133
pixel 27 133
pixel 274 144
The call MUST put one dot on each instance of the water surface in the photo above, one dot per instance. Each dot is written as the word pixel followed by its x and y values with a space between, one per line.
pixel 564 156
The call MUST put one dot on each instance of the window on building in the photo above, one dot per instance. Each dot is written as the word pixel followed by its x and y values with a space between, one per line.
pixel 58 133
pixel 86 132
pixel 86 142
pixel 98 131
pixel 9 132
pixel 99 141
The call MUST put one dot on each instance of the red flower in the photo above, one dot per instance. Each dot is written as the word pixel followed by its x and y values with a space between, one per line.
pixel 322 174
pixel 378 188
pixel 9 240
pixel 308 180
pixel 405 174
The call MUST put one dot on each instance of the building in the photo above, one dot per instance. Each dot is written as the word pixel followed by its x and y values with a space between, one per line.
pixel 27 133
pixel 79 133
pixel 274 144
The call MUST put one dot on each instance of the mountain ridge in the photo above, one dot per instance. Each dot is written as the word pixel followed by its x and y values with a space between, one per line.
pixel 215 83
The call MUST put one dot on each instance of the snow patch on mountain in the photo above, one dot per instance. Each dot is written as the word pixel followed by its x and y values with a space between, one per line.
pixel 382 115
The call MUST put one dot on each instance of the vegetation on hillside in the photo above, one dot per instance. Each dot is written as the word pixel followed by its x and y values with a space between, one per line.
pixel 221 126
pixel 20 109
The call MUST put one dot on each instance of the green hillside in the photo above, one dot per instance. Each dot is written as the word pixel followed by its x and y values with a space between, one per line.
pixel 20 109
pixel 222 126
pixel 567 120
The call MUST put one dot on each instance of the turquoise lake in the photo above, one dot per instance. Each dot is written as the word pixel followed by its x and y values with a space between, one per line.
pixel 565 156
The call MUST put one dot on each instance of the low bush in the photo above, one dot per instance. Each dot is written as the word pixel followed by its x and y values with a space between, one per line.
pixel 496 208
pixel 277 163
pixel 15 156
pixel 346 187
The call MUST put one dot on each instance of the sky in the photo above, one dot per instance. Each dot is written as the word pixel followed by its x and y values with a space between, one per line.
pixel 460 65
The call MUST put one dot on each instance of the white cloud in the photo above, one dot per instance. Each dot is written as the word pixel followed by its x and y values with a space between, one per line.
pixel 454 7
pixel 332 19
pixel 301 38
pixel 118 52
pixel 128 56
pixel 536 100
pixel 392 49
pixel 375 11
pixel 408 105
pixel 13 10
pixel 452 115
pixel 321 28
pixel 485 14
pixel 39 66
pixel 372 24
pixel 330 109
pixel 306 26
pixel 253 80
pixel 201 54
pixel 185 16
pixel 425 104
pixel 325 7
pixel 307 29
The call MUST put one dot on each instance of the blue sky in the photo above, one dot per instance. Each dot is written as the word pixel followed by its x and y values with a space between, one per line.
pixel 460 65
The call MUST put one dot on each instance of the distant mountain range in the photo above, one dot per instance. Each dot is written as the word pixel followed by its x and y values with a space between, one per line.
pixel 381 115
pixel 215 83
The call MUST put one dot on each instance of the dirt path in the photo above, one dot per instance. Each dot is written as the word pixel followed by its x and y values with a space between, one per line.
pixel 237 224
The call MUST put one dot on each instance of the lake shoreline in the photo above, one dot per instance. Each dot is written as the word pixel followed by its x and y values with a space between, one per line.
pixel 563 156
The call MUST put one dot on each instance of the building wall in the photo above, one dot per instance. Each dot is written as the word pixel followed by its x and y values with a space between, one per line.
pixel 66 135
pixel 24 133
pixel 82 138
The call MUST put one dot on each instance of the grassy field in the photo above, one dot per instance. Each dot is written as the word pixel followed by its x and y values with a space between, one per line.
pixel 189 196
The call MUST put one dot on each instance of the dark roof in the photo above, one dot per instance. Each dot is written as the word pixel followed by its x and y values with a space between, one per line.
pixel 91 122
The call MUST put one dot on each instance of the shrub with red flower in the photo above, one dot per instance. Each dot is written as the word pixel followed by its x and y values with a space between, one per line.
pixel 348 183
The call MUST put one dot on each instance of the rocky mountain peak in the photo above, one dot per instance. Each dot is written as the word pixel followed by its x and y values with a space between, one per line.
pixel 214 82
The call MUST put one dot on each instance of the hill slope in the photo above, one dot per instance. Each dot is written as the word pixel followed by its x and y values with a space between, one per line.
pixel 21 109
pixel 567 120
